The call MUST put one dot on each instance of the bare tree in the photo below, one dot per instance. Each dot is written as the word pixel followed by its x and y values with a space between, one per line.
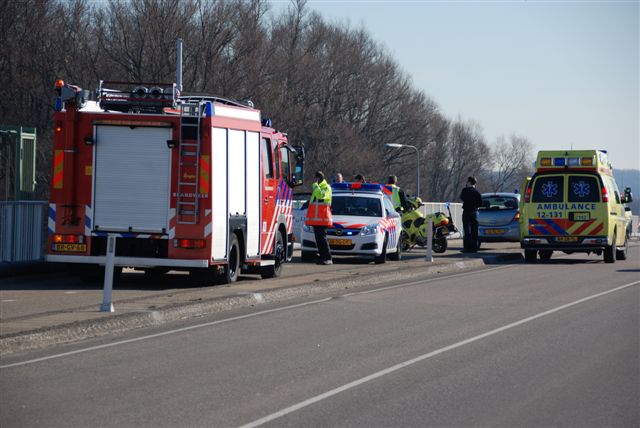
pixel 512 162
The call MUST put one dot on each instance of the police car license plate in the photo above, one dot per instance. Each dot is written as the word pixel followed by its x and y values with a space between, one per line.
pixel 494 231
pixel 340 242
pixel 567 239
pixel 72 248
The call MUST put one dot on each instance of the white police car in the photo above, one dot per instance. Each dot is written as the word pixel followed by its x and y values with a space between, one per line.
pixel 364 224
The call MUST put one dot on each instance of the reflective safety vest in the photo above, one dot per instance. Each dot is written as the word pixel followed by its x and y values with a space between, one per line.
pixel 395 197
pixel 319 211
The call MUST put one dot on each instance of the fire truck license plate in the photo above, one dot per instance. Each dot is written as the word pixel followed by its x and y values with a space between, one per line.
pixel 567 239
pixel 73 248
pixel 340 242
pixel 494 231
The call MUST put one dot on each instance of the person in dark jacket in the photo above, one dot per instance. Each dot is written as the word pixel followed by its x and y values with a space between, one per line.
pixel 471 201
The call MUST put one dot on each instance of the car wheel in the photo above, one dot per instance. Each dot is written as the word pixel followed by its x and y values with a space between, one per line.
pixel 609 253
pixel 383 256
pixel 545 254
pixel 621 253
pixel 530 256
pixel 397 256
pixel 279 254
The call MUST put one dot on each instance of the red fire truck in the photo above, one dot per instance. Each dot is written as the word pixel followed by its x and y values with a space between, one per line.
pixel 194 183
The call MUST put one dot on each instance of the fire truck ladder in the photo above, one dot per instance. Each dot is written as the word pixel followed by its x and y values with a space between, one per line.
pixel 189 163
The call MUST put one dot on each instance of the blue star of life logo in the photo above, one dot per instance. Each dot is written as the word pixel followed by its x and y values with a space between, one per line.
pixel 581 189
pixel 549 189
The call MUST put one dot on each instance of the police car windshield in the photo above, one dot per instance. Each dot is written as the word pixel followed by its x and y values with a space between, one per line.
pixel 498 203
pixel 356 206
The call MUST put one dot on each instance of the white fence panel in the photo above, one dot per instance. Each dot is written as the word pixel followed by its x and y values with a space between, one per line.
pixel 456 213
pixel 22 230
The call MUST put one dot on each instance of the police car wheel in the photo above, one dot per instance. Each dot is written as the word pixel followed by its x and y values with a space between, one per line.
pixel 609 253
pixel 383 256
pixel 397 256
pixel 530 256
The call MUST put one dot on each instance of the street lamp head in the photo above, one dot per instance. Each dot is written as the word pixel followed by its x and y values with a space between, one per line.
pixel 394 145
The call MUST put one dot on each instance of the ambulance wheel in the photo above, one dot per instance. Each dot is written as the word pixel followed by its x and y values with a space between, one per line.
pixel 439 245
pixel 307 256
pixel 530 256
pixel 545 254
pixel 383 256
pixel 621 253
pixel 232 268
pixel 397 256
pixel 279 254
pixel 609 253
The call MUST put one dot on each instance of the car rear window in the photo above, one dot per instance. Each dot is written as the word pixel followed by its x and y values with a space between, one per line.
pixel 583 188
pixel 497 203
pixel 548 189
pixel 356 206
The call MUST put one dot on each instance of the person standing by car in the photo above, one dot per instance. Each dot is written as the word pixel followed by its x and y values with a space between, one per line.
pixel 319 216
pixel 471 201
pixel 398 197
pixel 337 178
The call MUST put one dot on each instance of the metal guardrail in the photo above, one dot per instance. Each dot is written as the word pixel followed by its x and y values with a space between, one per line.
pixel 22 230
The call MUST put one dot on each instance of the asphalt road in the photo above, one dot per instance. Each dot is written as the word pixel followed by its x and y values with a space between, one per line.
pixel 553 344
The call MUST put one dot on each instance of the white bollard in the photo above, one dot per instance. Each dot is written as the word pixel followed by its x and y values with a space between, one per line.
pixel 429 256
pixel 107 306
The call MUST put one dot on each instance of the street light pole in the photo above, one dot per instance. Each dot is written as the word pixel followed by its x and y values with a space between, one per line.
pixel 399 146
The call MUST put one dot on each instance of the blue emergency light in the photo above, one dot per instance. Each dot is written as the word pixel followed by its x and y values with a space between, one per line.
pixel 366 187
pixel 559 161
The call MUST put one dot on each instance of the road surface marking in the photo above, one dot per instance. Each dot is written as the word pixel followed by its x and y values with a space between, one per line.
pixel 9 300
pixel 423 357
pixel 208 324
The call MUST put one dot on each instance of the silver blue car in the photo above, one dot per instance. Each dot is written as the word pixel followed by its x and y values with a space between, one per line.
pixel 498 218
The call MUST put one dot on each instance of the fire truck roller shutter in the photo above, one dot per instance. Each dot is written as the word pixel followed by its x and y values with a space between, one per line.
pixel 254 194
pixel 237 172
pixel 131 179
pixel 219 191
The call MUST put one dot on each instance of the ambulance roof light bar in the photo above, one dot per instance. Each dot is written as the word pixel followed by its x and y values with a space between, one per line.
pixel 567 161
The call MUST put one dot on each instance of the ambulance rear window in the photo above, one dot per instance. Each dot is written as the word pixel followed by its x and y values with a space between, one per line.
pixel 583 188
pixel 548 189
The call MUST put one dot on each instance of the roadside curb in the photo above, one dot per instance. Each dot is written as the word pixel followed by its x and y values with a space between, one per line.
pixel 122 322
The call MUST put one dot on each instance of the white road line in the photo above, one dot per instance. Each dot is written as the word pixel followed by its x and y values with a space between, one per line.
pixel 8 300
pixel 423 357
pixel 208 324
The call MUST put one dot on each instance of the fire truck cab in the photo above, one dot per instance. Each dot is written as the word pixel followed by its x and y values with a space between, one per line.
pixel 193 183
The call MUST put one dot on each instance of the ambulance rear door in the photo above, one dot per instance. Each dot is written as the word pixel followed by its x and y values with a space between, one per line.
pixel 567 207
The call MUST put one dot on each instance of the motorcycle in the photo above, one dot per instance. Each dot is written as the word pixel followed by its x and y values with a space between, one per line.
pixel 415 227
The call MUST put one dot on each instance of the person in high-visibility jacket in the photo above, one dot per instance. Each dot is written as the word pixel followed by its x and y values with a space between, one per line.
pixel 319 216
pixel 398 197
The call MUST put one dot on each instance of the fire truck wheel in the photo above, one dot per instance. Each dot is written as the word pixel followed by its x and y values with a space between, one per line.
pixel 279 255
pixel 232 268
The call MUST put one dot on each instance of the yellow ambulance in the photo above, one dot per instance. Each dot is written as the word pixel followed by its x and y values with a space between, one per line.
pixel 572 204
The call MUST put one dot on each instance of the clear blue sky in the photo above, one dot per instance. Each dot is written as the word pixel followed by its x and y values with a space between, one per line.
pixel 559 73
